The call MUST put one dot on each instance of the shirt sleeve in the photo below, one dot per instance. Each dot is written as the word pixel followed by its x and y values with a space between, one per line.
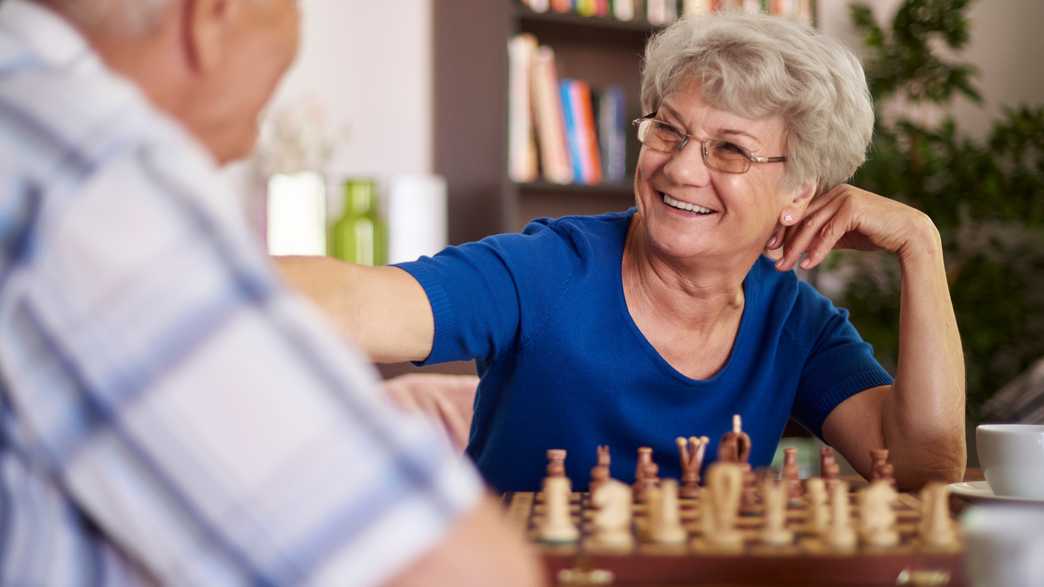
pixel 490 295
pixel 840 363
pixel 202 416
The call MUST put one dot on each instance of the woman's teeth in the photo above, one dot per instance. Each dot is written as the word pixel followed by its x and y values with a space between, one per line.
pixel 685 205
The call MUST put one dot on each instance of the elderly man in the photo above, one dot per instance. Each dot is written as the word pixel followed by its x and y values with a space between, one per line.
pixel 170 413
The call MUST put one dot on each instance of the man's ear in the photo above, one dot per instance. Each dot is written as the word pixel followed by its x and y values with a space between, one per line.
pixel 207 24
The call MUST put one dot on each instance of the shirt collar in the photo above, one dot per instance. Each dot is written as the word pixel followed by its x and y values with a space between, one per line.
pixel 45 33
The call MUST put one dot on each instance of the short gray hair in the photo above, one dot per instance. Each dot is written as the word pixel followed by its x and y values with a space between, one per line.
pixel 119 16
pixel 757 66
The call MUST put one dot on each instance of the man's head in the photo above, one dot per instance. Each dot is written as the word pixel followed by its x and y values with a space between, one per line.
pixel 211 64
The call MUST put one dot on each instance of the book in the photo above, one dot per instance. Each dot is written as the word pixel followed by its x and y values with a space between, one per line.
pixel 574 141
pixel 612 133
pixel 550 123
pixel 537 5
pixel 562 5
pixel 522 155
pixel 623 9
pixel 695 7
pixel 586 129
pixel 586 7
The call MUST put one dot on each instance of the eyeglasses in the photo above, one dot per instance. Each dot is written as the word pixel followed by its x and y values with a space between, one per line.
pixel 718 154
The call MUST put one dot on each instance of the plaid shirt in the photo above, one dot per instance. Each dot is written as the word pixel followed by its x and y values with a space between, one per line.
pixel 169 411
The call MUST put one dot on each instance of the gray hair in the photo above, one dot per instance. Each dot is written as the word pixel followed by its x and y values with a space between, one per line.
pixel 118 16
pixel 757 66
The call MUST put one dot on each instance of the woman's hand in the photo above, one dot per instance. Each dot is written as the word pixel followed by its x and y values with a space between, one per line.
pixel 847 217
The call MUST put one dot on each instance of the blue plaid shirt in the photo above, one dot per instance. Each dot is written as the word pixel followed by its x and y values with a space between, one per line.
pixel 169 411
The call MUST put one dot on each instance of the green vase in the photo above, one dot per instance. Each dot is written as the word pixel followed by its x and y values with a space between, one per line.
pixel 360 235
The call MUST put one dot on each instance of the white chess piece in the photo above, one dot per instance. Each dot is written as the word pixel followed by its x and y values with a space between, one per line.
pixel 611 525
pixel 557 524
pixel 818 504
pixel 719 506
pixel 775 533
pixel 665 526
pixel 840 536
pixel 878 516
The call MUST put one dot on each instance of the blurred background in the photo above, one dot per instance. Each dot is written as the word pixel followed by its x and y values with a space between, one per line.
pixel 406 125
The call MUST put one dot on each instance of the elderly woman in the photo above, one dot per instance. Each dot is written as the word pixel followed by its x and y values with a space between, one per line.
pixel 635 327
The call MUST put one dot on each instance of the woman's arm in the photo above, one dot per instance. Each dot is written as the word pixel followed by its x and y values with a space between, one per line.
pixel 920 419
pixel 382 309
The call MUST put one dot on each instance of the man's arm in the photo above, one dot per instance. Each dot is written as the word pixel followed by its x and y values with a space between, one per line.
pixel 383 309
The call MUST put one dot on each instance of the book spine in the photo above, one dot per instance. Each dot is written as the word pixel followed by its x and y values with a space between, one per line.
pixel 554 154
pixel 612 127
pixel 572 130
pixel 589 137
pixel 522 164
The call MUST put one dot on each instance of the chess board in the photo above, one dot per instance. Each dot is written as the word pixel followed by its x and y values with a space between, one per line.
pixel 808 561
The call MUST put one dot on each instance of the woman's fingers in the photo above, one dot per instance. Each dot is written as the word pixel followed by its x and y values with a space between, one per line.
pixel 802 234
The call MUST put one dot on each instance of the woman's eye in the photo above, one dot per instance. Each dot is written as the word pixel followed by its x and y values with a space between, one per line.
pixel 726 148
pixel 668 132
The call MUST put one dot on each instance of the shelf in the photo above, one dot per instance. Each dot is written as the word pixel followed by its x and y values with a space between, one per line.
pixel 524 13
pixel 607 189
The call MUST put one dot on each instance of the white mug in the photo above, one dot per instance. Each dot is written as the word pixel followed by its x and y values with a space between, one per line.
pixel 1004 545
pixel 1012 458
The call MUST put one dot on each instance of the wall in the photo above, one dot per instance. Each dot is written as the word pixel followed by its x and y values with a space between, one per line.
pixel 1006 46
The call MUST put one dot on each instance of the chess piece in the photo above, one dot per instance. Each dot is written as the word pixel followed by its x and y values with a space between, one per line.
pixel 600 473
pixel 640 467
pixel 840 536
pixel 557 527
pixel 791 473
pixel 556 462
pixel 877 516
pixel 749 495
pixel 650 480
pixel 937 528
pixel 774 494
pixel 734 446
pixel 819 508
pixel 881 469
pixel 719 507
pixel 611 524
pixel 829 470
pixel 665 525
pixel 691 452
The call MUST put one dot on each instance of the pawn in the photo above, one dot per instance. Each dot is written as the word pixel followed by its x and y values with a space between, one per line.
pixel 556 462
pixel 791 473
pixel 665 525
pixel 829 470
pixel 881 469
pixel 937 528
pixel 877 515
pixel 650 480
pixel 819 508
pixel 775 532
pixel 557 527
pixel 840 536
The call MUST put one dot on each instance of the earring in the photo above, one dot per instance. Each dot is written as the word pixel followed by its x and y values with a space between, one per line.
pixel 788 219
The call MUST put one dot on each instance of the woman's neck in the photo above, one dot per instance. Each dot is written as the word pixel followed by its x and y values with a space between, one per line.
pixel 695 294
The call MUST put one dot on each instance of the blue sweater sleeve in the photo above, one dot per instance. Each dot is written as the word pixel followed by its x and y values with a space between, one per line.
pixel 839 363
pixel 488 296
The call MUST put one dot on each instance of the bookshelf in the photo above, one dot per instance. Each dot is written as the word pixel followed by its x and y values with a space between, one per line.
pixel 470 64
pixel 470 106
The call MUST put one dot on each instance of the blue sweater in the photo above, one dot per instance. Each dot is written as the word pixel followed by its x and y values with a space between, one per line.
pixel 563 365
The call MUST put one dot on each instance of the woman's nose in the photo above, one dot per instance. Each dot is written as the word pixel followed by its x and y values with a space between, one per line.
pixel 686 165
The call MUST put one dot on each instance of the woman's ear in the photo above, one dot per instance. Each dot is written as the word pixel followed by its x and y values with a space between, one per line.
pixel 797 202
